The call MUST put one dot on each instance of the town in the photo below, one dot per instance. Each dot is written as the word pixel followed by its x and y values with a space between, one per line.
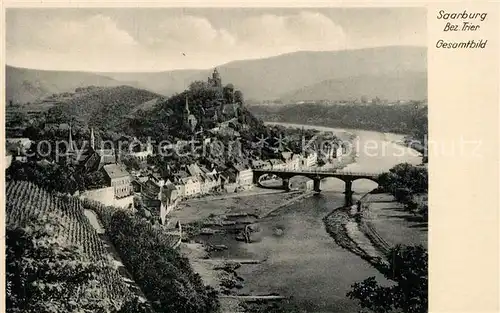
pixel 161 194
pixel 215 161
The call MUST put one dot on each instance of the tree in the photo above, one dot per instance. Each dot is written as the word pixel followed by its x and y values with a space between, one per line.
pixel 131 163
pixel 412 178
pixel 228 93
pixel 94 180
pixel 45 275
pixel 408 267
pixel 238 97
pixel 17 118
pixel 198 85
pixel 164 275
pixel 136 306
pixel 260 306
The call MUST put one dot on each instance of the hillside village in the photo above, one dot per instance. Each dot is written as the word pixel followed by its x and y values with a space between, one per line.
pixel 216 160
pixel 131 179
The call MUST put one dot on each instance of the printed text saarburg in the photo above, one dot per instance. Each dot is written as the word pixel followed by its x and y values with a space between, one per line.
pixel 462 22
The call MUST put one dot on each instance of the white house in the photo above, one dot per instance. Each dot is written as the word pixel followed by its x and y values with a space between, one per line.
pixel 310 159
pixel 244 175
pixel 277 164
pixel 23 143
pixel 292 161
pixel 143 155
pixel 169 199
pixel 339 153
pixel 210 180
pixel 192 186
pixel 181 189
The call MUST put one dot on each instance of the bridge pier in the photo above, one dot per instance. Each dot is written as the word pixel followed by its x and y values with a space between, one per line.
pixel 286 184
pixel 348 193
pixel 255 179
pixel 317 183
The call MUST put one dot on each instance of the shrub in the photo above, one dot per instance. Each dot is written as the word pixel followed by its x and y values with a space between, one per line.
pixel 165 276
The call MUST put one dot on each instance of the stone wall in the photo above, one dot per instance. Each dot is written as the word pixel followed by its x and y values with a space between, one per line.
pixel 124 202
pixel 106 196
pixel 230 188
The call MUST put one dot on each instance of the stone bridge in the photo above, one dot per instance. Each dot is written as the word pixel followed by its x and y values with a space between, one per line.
pixel 317 175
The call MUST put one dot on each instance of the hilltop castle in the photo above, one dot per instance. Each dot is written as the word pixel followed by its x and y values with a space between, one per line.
pixel 230 104
pixel 215 81
pixel 230 107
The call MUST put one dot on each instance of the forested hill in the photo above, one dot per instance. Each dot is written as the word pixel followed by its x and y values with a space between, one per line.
pixel 27 85
pixel 164 120
pixel 408 118
pixel 103 107
pixel 400 86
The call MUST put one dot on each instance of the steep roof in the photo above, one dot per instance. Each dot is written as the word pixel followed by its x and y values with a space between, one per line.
pixel 115 171
pixel 286 155
pixel 275 161
pixel 194 169
pixel 239 167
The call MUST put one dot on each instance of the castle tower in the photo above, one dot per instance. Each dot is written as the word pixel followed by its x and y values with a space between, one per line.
pixel 215 81
pixel 216 78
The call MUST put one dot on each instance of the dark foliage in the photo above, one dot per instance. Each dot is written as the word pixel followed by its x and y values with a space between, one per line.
pixel 405 118
pixel 48 275
pixel 164 275
pixel 63 177
pixel 104 107
pixel 408 267
pixel 405 182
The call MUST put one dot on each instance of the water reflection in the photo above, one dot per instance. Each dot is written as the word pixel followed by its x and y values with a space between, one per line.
pixel 302 260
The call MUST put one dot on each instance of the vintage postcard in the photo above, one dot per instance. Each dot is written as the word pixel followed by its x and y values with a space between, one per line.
pixel 232 158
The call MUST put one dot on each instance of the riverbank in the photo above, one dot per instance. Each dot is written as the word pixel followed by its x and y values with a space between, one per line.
pixel 373 229
pixel 287 252
pixel 226 223
pixel 345 227
pixel 388 219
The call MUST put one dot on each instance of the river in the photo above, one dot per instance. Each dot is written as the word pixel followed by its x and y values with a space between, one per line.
pixel 302 260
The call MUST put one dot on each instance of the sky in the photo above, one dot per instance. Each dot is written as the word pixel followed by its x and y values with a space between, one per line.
pixel 159 39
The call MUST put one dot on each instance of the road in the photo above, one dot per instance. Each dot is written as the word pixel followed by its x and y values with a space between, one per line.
pixel 115 257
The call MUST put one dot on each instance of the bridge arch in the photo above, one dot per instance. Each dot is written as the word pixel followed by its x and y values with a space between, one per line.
pixel 364 184
pixel 366 178
pixel 302 182
pixel 260 180
pixel 333 183
pixel 341 180
pixel 265 176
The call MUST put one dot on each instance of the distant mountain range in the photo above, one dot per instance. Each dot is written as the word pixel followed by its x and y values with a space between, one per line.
pixel 397 86
pixel 392 73
pixel 27 85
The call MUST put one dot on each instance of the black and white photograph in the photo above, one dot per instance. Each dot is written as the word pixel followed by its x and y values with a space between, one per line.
pixel 216 160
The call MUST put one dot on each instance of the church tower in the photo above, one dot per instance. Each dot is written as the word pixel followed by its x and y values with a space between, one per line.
pixel 71 151
pixel 71 144
pixel 189 119
pixel 186 109
pixel 92 139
